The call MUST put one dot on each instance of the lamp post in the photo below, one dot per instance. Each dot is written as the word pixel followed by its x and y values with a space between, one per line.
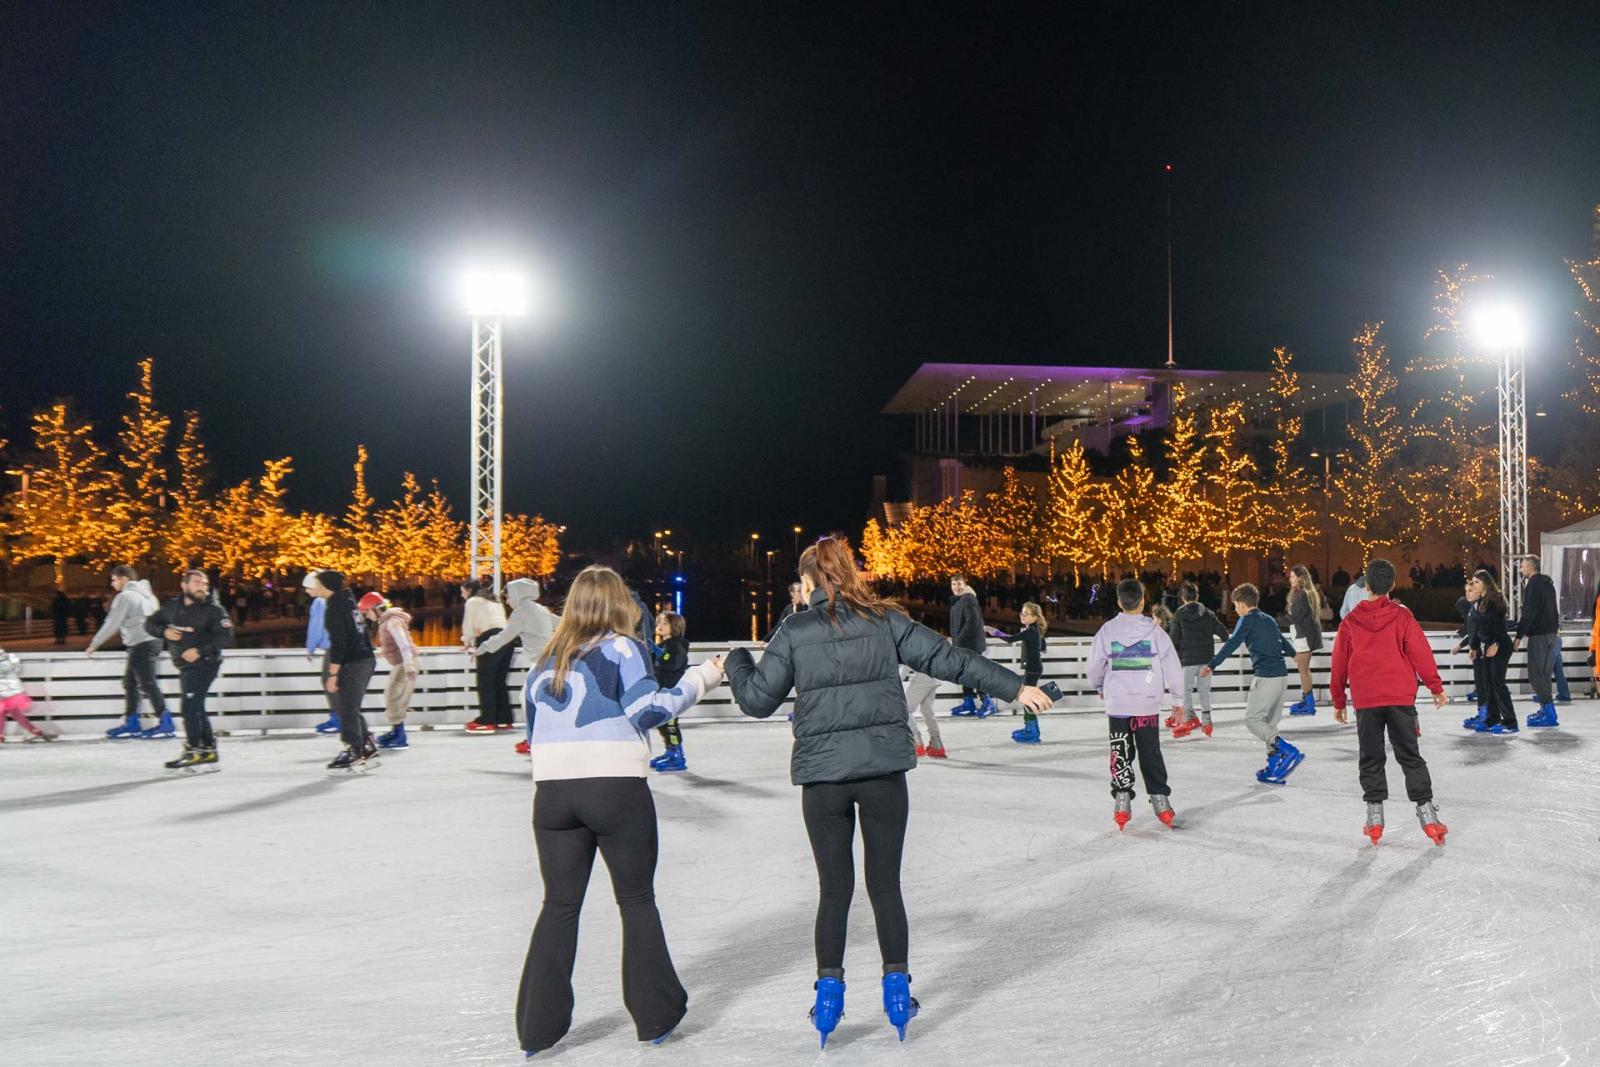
pixel 1499 330
pixel 770 553
pixel 489 297
pixel 755 537
pixel 797 545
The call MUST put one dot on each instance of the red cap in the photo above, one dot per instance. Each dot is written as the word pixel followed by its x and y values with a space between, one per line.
pixel 370 601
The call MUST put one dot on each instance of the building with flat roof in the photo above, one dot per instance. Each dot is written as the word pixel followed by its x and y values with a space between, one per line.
pixel 969 420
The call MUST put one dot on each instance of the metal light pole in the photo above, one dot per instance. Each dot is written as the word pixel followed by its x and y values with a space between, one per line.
pixel 489 297
pixel 1500 329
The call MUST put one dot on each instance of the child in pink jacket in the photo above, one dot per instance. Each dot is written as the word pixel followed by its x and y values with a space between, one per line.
pixel 1132 664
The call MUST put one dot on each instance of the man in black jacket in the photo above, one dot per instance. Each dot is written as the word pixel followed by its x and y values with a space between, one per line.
pixel 350 666
pixel 966 631
pixel 1539 623
pixel 196 629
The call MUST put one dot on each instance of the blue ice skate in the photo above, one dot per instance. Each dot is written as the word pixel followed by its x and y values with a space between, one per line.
pixel 967 707
pixel 673 760
pixel 395 738
pixel 1291 758
pixel 1475 721
pixel 331 726
pixel 898 1003
pixel 1028 735
pixel 1306 705
pixel 129 728
pixel 986 708
pixel 829 1008
pixel 162 728
pixel 1545 716
pixel 1501 729
pixel 1472 696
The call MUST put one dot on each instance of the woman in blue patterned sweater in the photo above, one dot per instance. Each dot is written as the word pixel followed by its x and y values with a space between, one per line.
pixel 591 702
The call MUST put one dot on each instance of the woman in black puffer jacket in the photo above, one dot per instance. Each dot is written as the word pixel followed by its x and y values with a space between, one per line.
pixel 852 747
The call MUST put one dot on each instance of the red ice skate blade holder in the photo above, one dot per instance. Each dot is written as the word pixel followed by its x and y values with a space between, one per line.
pixel 1165 817
pixel 1436 831
pixel 1122 818
pixel 1374 832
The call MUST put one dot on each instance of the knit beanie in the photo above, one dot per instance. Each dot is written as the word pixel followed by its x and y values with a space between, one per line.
pixel 332 581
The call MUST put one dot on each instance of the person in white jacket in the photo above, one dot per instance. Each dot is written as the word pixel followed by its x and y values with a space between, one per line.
pixel 135 602
pixel 1132 663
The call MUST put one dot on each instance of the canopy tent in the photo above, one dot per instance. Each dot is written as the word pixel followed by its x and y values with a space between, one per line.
pixel 1571 557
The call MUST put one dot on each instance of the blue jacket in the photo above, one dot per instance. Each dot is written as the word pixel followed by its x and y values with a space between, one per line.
pixel 317 629
pixel 1259 634
pixel 599 726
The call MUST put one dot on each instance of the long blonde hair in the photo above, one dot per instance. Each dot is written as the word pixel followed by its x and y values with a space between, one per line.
pixel 1309 587
pixel 597 604
pixel 1038 616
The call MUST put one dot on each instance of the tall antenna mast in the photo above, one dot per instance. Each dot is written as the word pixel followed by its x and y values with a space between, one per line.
pixel 1170 362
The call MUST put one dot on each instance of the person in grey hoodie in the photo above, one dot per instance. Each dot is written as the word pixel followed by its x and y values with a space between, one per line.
pixel 134 602
pixel 1194 629
pixel 1132 663
pixel 531 621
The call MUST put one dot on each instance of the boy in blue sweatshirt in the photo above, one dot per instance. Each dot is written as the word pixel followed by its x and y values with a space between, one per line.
pixel 1267 646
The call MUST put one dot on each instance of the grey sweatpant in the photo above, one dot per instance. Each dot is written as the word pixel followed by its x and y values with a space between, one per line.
pixel 1264 707
pixel 1541 654
pixel 919 701
pixel 1192 680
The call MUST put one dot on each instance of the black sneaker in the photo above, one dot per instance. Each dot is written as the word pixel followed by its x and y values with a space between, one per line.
pixel 344 760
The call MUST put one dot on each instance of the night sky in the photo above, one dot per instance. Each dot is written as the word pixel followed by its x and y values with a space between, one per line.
pixel 750 226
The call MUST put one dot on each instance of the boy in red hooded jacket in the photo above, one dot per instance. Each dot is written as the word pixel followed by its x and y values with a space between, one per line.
pixel 1381 652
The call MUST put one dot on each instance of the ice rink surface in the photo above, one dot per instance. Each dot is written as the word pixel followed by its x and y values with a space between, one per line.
pixel 269 914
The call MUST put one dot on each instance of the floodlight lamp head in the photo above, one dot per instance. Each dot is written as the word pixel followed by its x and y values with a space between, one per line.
pixel 494 293
pixel 1498 327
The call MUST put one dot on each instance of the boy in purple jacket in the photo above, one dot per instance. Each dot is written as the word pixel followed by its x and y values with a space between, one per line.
pixel 1131 664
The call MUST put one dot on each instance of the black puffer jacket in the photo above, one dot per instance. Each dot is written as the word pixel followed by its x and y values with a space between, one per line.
pixel 850 718
pixel 1193 627
pixel 966 622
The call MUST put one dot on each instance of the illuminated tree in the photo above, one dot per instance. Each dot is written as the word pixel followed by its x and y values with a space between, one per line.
pixel 878 550
pixel 1235 493
pixel 1131 510
pixel 1369 504
pixel 189 538
pixel 1186 517
pixel 139 506
pixel 446 537
pixel 65 513
pixel 1074 528
pixel 529 546
pixel 1285 513
pixel 365 549
pixel 1574 484
pixel 256 536
pixel 1015 522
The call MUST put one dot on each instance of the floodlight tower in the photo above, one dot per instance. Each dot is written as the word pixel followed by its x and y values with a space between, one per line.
pixel 489 296
pixel 1499 330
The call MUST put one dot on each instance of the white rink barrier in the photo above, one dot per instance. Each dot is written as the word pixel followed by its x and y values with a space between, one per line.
pixel 279 689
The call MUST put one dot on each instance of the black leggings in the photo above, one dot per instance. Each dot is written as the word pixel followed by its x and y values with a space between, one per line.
pixel 830 814
pixel 494 700
pixel 571 819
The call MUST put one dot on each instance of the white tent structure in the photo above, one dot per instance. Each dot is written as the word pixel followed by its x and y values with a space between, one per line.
pixel 1571 557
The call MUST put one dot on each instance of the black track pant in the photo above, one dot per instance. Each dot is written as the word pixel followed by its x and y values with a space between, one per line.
pixel 1401 725
pixel 1498 698
pixel 494 700
pixel 139 678
pixel 830 812
pixel 196 680
pixel 1139 739
pixel 571 819
pixel 353 679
